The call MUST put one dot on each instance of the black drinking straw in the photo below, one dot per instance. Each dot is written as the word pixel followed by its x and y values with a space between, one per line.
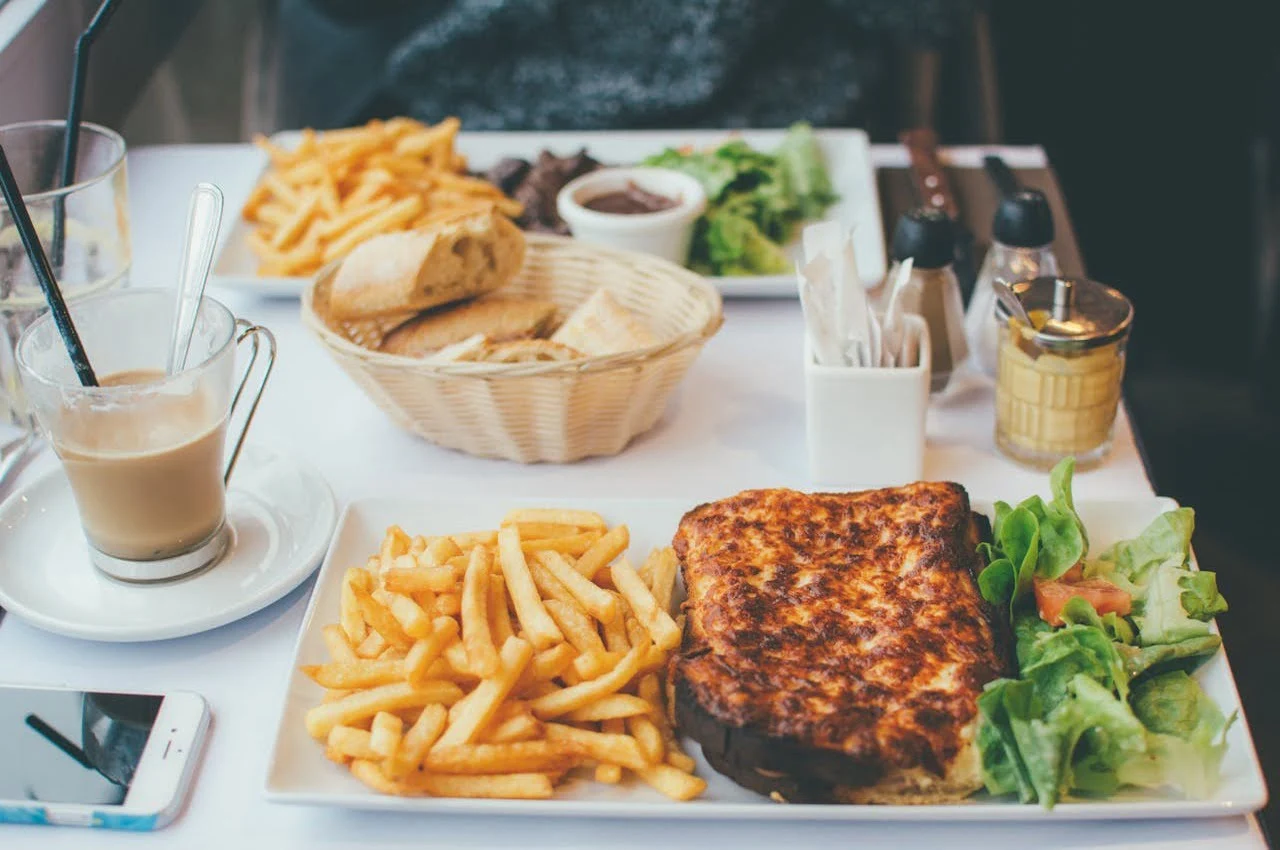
pixel 44 273
pixel 71 136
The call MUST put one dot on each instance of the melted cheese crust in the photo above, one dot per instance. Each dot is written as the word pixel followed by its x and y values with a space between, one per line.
pixel 849 623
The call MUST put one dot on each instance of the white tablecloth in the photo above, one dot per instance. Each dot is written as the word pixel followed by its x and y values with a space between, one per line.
pixel 736 422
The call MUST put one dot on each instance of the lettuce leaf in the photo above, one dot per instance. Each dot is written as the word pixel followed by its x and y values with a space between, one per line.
pixel 1158 611
pixel 1186 735
pixel 1166 541
pixel 1103 735
pixel 1056 657
pixel 1200 597
pixel 1009 578
pixel 1021 750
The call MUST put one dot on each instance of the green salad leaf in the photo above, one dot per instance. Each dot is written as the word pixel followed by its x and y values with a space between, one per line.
pixel 755 201
pixel 1103 700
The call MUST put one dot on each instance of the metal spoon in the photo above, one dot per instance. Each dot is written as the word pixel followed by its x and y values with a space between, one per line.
pixel 1011 302
pixel 204 217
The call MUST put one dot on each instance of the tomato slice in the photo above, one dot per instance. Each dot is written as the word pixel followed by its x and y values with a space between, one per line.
pixel 1105 597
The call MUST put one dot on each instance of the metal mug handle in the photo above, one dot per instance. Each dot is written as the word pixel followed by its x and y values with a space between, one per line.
pixel 254 333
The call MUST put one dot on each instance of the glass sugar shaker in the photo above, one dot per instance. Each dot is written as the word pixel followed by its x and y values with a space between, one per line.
pixel 1058 379
pixel 927 236
pixel 1022 250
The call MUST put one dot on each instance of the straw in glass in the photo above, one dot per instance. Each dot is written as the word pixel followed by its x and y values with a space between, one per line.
pixel 71 137
pixel 44 272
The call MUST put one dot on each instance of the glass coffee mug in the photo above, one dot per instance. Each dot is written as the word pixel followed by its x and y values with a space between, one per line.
pixel 144 451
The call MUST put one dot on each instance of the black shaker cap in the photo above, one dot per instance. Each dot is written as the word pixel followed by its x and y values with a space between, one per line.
pixel 926 234
pixel 1024 220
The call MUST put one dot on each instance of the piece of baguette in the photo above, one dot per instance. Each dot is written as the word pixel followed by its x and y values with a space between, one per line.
pixel 457 257
pixel 600 325
pixel 497 318
pixel 525 351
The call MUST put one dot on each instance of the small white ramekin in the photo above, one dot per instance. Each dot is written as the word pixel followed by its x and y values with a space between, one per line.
pixel 666 233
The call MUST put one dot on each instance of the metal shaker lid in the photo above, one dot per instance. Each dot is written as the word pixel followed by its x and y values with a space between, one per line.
pixel 1077 313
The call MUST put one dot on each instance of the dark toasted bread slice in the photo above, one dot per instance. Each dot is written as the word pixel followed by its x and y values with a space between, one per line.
pixel 836 643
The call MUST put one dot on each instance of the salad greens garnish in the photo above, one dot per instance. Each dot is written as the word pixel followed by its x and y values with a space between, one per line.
pixel 754 201
pixel 1102 700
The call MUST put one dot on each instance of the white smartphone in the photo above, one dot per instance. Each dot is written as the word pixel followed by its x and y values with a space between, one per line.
pixel 100 759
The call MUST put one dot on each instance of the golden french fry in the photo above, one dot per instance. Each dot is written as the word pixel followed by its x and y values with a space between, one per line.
pixel 516 786
pixel 515 757
pixel 394 544
pixel 372 646
pixel 576 696
pixel 610 774
pixel 335 640
pixel 385 733
pixel 477 639
pixel 349 742
pixel 557 516
pixel 576 626
pixel 448 604
pixel 439 551
pixel 543 530
pixel 663 578
pixel 456 656
pixel 604 550
pixel 335 694
pixel 574 545
pixel 549 663
pixel 589 665
pixel 521 727
pixel 381 620
pixel 601 746
pixel 425 652
pixel 409 615
pixel 672 782
pixel 612 707
pixel 665 632
pixel 681 761
pixel 424 732
pixel 357 673
pixel 538 626
pixel 647 736
pixel 479 706
pixel 418 579
pixel 349 612
pixel 650 689
pixel 388 698
pixel 499 616
pixel 550 587
pixel 594 599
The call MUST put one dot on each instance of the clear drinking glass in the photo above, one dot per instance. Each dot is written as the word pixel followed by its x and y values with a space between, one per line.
pixel 96 256
pixel 144 452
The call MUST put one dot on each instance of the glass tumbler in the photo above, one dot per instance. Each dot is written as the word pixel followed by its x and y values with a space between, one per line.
pixel 96 255
pixel 146 453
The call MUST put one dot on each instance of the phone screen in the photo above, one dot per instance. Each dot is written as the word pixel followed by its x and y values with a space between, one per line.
pixel 72 746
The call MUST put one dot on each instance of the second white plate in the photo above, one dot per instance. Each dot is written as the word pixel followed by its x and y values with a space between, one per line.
pixel 298 772
pixel 847 154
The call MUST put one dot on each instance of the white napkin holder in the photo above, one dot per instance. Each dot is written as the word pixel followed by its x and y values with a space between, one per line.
pixel 866 426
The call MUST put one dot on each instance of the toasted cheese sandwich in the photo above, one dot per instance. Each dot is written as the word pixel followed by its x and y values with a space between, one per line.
pixel 836 643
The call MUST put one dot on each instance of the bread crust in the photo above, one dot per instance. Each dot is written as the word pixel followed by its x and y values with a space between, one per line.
pixel 836 642
pixel 454 259
pixel 497 318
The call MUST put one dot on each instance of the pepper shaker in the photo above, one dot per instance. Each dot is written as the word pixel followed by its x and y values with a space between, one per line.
pixel 1022 250
pixel 928 237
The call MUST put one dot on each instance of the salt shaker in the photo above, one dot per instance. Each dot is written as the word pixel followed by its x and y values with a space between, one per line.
pixel 933 292
pixel 1058 380
pixel 1022 250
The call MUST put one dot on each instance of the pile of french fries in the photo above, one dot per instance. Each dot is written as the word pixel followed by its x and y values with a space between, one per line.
pixel 340 187
pixel 490 664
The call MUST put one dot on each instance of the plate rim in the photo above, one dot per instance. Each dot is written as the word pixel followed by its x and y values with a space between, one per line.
pixel 761 287
pixel 283 586
pixel 976 811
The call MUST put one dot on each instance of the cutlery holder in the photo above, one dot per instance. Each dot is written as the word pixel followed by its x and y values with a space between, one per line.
pixel 866 427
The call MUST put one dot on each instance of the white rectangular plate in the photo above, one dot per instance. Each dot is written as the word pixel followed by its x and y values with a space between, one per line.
pixel 847 154
pixel 298 772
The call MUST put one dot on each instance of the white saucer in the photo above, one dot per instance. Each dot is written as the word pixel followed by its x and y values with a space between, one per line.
pixel 281 514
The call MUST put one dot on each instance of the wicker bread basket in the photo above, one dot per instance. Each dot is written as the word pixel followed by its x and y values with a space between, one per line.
pixel 531 412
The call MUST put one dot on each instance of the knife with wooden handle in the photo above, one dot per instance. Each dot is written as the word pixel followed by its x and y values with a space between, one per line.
pixel 933 190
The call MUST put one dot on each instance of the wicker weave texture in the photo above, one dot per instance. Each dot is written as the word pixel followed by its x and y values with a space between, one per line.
pixel 531 412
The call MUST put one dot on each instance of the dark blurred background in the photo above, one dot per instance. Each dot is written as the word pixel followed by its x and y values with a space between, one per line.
pixel 1162 121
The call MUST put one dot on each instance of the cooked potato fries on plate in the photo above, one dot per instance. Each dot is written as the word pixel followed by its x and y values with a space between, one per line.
pixel 337 188
pixel 538 665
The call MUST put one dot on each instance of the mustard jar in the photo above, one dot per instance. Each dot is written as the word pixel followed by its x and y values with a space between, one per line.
pixel 1058 378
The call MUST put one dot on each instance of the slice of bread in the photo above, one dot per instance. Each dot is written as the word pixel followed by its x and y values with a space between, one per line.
pixel 497 318
pixel 600 326
pixel 457 257
pixel 525 351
